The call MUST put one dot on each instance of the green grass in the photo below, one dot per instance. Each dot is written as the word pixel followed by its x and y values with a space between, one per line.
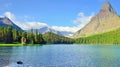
pixel 18 44
pixel 10 45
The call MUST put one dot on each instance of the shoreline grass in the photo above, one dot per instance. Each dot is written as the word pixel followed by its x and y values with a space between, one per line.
pixel 9 45
pixel 17 44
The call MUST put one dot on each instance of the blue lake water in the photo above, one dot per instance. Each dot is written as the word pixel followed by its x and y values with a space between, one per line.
pixel 60 56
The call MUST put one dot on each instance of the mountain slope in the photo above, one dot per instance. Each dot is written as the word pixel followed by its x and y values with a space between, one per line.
pixel 107 38
pixel 106 20
pixel 4 21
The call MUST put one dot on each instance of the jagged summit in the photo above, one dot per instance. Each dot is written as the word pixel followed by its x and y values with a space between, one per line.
pixel 106 20
pixel 5 21
pixel 106 11
pixel 107 8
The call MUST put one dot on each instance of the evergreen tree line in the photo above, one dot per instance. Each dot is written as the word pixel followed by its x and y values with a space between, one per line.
pixel 9 35
pixel 111 37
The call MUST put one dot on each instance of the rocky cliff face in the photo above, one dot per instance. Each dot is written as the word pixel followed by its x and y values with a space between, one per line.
pixel 106 20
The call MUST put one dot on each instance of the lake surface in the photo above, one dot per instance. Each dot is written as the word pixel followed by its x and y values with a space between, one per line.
pixel 60 56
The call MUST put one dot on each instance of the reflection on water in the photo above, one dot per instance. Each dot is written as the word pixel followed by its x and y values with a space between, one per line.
pixel 5 55
pixel 110 56
pixel 62 56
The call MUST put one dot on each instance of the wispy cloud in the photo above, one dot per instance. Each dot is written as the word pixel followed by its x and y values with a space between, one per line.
pixel 10 15
pixel 31 25
pixel 65 28
pixel 80 21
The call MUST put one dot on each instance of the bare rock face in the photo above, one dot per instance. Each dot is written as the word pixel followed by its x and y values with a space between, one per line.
pixel 107 8
pixel 106 20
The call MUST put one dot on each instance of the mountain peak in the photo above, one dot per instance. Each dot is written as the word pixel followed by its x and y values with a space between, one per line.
pixel 106 20
pixel 107 8
pixel 5 21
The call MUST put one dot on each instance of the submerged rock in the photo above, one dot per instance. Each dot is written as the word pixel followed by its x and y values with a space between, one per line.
pixel 19 62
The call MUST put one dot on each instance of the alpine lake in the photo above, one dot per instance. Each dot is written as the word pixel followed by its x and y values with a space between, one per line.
pixel 60 55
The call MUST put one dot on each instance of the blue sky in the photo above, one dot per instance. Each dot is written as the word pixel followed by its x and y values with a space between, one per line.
pixel 54 12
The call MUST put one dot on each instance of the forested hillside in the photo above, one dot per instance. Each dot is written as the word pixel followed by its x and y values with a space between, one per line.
pixel 111 37
pixel 10 35
pixel 52 38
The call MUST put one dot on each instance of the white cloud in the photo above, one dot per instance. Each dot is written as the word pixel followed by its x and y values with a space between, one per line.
pixel 82 19
pixel 31 25
pixel 65 28
pixel 68 28
pixel 9 15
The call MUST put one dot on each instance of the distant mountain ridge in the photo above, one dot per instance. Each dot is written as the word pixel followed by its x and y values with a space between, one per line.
pixel 106 20
pixel 48 29
pixel 5 22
